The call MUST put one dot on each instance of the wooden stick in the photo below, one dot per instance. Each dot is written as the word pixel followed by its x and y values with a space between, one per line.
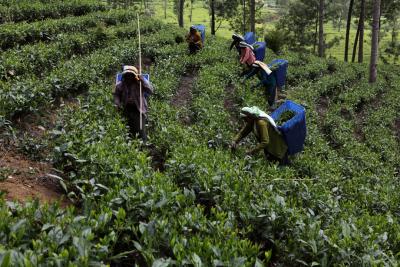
pixel 140 74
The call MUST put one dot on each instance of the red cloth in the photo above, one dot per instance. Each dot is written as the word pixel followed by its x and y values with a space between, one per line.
pixel 247 56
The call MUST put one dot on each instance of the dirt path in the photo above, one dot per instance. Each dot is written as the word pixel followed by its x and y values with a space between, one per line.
pixel 397 128
pixel 183 96
pixel 229 102
pixel 322 107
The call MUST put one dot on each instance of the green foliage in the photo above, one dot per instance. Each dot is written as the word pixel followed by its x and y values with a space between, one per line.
pixel 335 204
pixel 285 116
pixel 28 11
pixel 275 40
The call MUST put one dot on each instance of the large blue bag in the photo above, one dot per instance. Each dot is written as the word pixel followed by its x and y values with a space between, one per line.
pixel 294 130
pixel 259 50
pixel 280 73
pixel 202 29
pixel 118 79
pixel 250 38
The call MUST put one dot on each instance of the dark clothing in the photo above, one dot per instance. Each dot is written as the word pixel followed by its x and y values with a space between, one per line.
pixel 267 81
pixel 125 94
pixel 235 44
pixel 133 117
pixel 195 42
pixel 193 48
pixel 127 97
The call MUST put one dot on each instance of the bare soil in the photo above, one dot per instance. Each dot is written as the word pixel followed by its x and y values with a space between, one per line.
pixel 397 128
pixel 322 106
pixel 230 103
pixel 183 96
pixel 23 179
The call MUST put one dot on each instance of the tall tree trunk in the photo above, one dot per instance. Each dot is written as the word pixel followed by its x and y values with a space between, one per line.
pixel 165 9
pixel 346 49
pixel 375 41
pixel 244 16
pixel 212 17
pixel 321 43
pixel 353 58
pixel 191 11
pixel 361 38
pixel 180 12
pixel 316 35
pixel 253 16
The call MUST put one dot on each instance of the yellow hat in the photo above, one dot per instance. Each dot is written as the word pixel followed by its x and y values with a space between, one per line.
pixel 130 69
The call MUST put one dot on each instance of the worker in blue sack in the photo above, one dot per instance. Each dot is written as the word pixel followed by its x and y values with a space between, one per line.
pixel 132 102
pixel 267 80
pixel 194 40
pixel 265 130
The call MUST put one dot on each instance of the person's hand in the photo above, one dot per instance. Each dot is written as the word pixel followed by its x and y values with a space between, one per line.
pixel 249 153
pixel 233 146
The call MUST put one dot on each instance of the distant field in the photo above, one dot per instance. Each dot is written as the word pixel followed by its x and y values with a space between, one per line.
pixel 201 16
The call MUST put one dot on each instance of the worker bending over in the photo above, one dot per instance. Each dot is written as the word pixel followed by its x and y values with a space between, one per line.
pixel 128 99
pixel 236 40
pixel 264 128
pixel 194 40
pixel 247 55
pixel 267 80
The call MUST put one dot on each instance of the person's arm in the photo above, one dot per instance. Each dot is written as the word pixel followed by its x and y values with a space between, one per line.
pixel 117 95
pixel 243 132
pixel 262 128
pixel 232 45
pixel 197 38
pixel 146 86
pixel 250 74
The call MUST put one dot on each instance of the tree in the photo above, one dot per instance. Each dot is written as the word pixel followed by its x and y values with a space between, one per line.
pixel 346 49
pixel 299 23
pixel 180 12
pixel 361 38
pixel 374 41
pixel 321 43
pixel 165 9
pixel 252 15
pixel 212 17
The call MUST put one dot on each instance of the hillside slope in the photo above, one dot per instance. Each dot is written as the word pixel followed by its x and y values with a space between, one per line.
pixel 186 199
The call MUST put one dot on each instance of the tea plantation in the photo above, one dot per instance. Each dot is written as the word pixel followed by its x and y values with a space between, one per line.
pixel 185 199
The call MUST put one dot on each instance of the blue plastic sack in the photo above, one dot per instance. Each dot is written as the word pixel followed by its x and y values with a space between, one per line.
pixel 250 38
pixel 294 131
pixel 280 73
pixel 118 79
pixel 259 50
pixel 202 29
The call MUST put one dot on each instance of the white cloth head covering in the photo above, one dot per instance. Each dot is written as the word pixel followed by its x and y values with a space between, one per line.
pixel 243 44
pixel 256 112
pixel 130 69
pixel 260 64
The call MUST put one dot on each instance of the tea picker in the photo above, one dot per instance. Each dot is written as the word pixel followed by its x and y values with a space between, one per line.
pixel 267 80
pixel 236 40
pixel 279 139
pixel 130 94
pixel 195 38
pixel 247 55
pixel 271 76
